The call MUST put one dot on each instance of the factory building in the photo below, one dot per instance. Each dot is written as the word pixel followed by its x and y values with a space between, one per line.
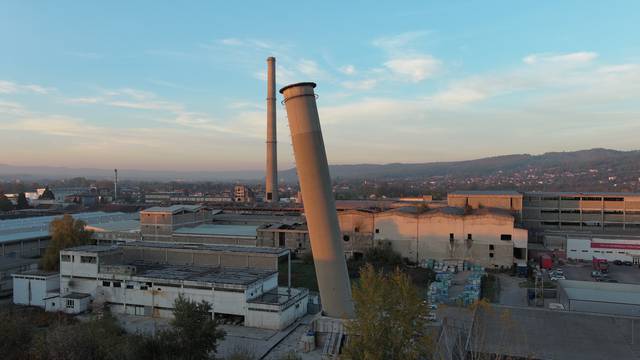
pixel 158 223
pixel 484 236
pixel 586 246
pixel 599 297
pixel 293 236
pixel 143 278
pixel 588 211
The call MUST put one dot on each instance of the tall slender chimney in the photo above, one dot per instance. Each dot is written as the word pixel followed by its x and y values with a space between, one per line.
pixel 115 186
pixel 319 206
pixel 271 186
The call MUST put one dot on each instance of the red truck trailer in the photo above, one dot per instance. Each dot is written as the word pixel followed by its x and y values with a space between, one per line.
pixel 601 265
pixel 546 262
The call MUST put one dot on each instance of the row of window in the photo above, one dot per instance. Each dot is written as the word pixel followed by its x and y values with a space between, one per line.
pixel 83 259
pixel 594 212
pixel 598 251
pixel 575 198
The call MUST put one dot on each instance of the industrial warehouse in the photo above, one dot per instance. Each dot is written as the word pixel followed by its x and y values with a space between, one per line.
pixel 145 279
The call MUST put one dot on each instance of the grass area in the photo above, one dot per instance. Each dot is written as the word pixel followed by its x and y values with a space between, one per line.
pixel 490 288
pixel 303 273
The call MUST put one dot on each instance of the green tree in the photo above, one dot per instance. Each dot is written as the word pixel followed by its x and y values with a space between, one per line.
pixel 65 232
pixel 47 195
pixel 390 318
pixel 193 335
pixel 5 203
pixel 22 201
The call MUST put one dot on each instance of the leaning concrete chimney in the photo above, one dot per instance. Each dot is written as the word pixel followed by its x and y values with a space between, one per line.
pixel 271 185
pixel 319 206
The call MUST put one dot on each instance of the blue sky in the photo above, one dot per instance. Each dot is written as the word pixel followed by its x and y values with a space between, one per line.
pixel 156 85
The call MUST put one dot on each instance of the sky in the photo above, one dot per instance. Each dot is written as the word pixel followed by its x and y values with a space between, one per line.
pixel 157 85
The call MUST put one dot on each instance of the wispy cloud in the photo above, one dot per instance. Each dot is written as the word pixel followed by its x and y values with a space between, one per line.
pixel 348 69
pixel 569 58
pixel 8 87
pixel 414 69
pixel 399 42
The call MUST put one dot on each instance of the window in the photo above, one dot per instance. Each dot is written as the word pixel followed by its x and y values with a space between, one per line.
pixel 117 284
pixel 490 255
pixel 585 250
pixel 88 259
pixel 65 258
pixel 574 250
pixel 129 286
pixel 450 236
pixel 490 247
pixel 70 304
pixel 143 287
pixel 356 229
pixel 469 237
pixel 106 283
pixel 613 199
pixel 377 231
pixel 345 238
pixel 505 237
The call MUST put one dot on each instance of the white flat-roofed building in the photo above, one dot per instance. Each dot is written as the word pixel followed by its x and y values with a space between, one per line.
pixel 146 279
pixel 33 286
pixel 586 247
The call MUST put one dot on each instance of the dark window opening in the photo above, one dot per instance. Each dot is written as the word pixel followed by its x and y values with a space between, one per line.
pixel 469 237
pixel 377 231
pixel 116 284
pixel 269 196
pixel 356 229
pixel 490 255
pixel 490 247
pixel 450 236
pixel 106 283
pixel 345 238
pixel 505 237
pixel 281 238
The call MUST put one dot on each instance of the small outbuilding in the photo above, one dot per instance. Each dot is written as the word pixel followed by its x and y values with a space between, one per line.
pixel 34 286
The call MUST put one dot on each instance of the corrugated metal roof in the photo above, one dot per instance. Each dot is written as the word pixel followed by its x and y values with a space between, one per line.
pixel 38 227
pixel 601 291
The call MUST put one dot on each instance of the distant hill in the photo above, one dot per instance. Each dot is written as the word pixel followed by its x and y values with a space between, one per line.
pixel 622 164
pixel 54 173
pixel 576 161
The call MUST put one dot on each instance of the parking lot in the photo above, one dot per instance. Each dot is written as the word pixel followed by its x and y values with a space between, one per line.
pixel 621 273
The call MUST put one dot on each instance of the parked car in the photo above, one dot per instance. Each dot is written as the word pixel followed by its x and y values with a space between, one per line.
pixel 627 263
pixel 617 262
pixel 558 277
pixel 596 274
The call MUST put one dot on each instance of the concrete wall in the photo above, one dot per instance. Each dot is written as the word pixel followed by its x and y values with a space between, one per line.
pixel 507 202
pixel 201 257
pixel 442 236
